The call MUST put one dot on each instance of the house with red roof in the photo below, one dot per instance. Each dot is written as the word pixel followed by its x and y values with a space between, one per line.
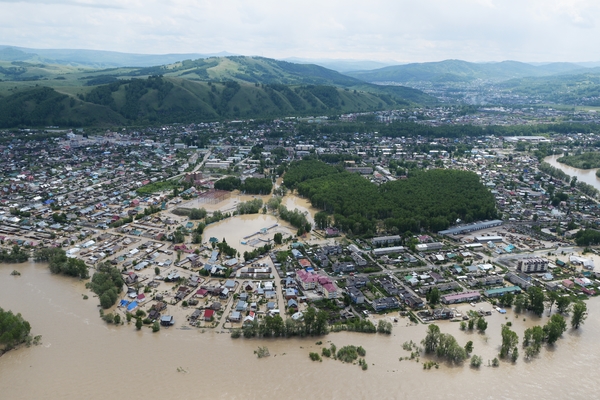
pixel 307 279
pixel 209 314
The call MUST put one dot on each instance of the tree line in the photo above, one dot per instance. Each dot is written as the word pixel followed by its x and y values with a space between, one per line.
pixel 313 323
pixel 15 255
pixel 59 263
pixel 249 186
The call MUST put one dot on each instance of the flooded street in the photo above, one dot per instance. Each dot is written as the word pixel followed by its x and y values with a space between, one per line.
pixel 583 175
pixel 82 357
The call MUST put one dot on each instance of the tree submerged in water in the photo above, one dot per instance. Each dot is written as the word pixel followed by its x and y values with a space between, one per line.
pixel 14 330
pixel 262 352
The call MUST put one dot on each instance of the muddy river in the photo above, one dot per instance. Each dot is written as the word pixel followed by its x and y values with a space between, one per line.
pixel 82 357
pixel 583 175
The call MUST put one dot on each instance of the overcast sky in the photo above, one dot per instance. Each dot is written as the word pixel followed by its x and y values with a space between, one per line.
pixel 399 30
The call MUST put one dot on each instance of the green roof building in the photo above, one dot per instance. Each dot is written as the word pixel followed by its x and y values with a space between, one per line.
pixel 500 291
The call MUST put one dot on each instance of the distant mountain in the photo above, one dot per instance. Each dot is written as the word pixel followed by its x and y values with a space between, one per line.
pixel 95 58
pixel 343 66
pixel 461 71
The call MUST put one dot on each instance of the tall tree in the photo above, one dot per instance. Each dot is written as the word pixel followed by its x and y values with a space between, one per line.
pixel 509 342
pixel 579 314
pixel 555 328
pixel 536 300
pixel 432 339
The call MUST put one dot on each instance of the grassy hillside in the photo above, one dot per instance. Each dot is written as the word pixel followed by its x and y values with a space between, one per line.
pixel 165 100
pixel 44 106
pixel 461 71
pixel 215 69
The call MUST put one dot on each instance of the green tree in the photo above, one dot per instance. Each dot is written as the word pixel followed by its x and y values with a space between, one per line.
pixel 521 303
pixel 138 323
pixel 579 314
pixel 536 300
pixel 432 339
pixel 510 340
pixel 471 324
pixel 433 296
pixel 563 303
pixel 278 238
pixel 322 220
pixel 156 271
pixel 481 324
pixel 555 328
pixel 507 299
pixel 469 347
pixel 13 329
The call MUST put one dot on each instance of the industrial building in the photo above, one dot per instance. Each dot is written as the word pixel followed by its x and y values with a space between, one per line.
pixel 477 226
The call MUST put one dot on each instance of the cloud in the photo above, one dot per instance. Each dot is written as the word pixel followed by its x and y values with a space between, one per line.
pixel 404 30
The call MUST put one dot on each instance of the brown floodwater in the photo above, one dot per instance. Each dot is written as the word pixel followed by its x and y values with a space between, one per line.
pixel 82 357
pixel 237 229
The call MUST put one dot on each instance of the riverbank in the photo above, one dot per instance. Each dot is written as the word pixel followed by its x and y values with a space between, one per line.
pixel 583 175
pixel 102 357
pixel 587 160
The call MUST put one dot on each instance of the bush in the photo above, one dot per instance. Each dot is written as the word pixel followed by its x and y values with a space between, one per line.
pixel 315 357
pixel 109 318
pixel 361 351
pixel 347 354
pixel 476 361
pixel 155 327
pixel 326 352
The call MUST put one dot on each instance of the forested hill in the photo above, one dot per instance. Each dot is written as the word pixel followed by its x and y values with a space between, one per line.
pixel 428 200
pixel 167 100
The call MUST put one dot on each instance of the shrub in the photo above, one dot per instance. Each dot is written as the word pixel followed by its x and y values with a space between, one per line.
pixel 476 361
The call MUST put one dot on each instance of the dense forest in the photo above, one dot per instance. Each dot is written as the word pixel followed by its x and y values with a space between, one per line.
pixel 428 200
